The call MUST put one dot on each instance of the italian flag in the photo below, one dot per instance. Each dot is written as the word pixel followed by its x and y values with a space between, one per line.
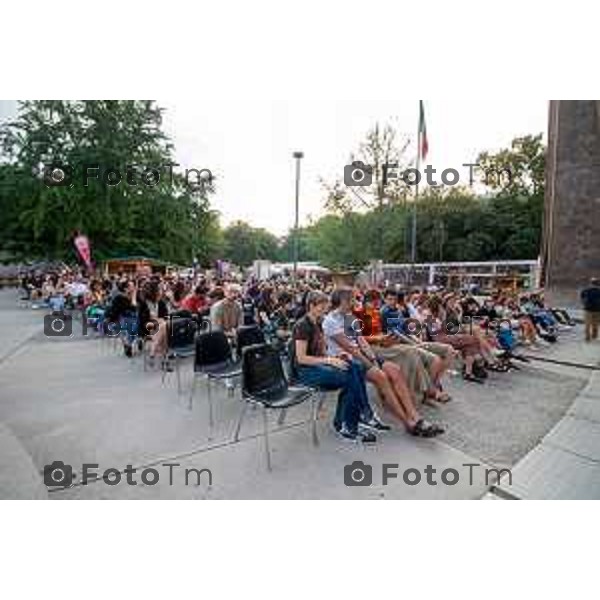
pixel 424 146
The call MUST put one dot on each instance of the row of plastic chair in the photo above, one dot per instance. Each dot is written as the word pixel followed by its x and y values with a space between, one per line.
pixel 247 362
pixel 258 369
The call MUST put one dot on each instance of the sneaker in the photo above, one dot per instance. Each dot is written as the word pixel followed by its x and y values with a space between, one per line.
pixel 375 424
pixel 366 437
pixel 128 350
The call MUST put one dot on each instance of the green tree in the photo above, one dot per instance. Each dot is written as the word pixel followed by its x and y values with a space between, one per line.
pixel 384 152
pixel 518 195
pixel 307 247
pixel 244 244
pixel 167 219
pixel 499 218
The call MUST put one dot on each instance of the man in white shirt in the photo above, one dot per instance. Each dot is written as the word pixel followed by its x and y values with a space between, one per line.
pixel 77 288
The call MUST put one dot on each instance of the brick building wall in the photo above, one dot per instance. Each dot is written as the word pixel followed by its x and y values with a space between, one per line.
pixel 571 240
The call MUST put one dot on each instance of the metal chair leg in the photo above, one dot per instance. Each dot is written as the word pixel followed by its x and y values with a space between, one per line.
pixel 230 388
pixel 266 428
pixel 314 417
pixel 178 373
pixel 282 415
pixel 211 420
pixel 236 435
pixel 192 390
pixel 321 402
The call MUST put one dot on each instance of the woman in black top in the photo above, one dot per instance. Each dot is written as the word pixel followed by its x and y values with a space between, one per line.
pixel 313 368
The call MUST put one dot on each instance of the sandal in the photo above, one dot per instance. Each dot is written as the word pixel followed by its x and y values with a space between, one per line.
pixel 430 400
pixel 424 429
pixel 445 394
pixel 437 429
pixel 498 367
pixel 437 397
pixel 443 397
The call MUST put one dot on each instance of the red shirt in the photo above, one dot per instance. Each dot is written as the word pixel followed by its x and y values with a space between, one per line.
pixel 374 325
pixel 193 303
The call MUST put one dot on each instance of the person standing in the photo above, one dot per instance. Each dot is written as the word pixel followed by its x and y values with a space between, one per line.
pixel 590 298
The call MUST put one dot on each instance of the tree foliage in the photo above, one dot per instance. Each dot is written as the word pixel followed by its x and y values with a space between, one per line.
pixel 384 152
pixel 499 218
pixel 243 244
pixel 170 220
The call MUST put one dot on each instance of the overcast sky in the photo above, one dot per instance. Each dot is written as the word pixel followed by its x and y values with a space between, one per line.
pixel 248 143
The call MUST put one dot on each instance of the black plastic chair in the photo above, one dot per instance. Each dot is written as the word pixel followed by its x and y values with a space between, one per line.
pixel 264 383
pixel 248 335
pixel 182 344
pixel 213 361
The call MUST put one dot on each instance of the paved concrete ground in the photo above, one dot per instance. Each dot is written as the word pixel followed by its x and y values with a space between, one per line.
pixel 77 401
pixel 566 464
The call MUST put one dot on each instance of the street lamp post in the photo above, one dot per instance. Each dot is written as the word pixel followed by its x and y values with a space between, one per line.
pixel 298 156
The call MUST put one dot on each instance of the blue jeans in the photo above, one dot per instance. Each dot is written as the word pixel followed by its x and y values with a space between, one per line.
pixel 353 402
pixel 129 324
pixel 545 319
pixel 57 303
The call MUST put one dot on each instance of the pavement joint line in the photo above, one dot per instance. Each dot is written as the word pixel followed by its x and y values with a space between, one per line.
pixel 8 355
pixel 552 444
pixel 448 445
pixel 503 494
pixel 578 418
pixel 563 362
pixel 188 454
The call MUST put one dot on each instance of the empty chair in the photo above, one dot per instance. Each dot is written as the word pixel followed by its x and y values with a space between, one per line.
pixel 248 335
pixel 264 383
pixel 213 361
pixel 181 331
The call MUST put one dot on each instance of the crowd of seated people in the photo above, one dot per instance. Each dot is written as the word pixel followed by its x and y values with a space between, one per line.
pixel 402 342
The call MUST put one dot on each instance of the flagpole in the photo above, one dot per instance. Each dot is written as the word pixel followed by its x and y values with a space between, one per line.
pixel 413 249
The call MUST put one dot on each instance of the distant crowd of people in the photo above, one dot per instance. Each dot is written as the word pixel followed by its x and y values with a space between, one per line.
pixel 403 342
